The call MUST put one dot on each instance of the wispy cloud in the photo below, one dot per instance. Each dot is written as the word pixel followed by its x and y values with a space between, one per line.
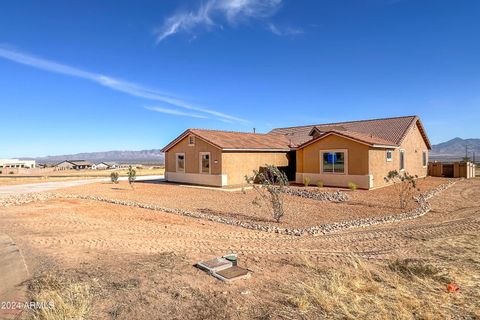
pixel 212 13
pixel 176 112
pixel 284 31
pixel 130 88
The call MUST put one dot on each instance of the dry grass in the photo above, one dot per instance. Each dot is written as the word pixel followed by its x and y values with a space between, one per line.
pixel 401 289
pixel 66 299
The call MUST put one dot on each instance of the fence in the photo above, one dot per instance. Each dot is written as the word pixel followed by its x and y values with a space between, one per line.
pixel 452 170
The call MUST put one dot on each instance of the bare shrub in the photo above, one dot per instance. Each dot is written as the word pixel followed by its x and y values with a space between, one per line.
pixel 270 189
pixel 405 185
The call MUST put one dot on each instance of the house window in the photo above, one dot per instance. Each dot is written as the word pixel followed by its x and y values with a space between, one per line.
pixel 205 162
pixel 389 155
pixel 333 162
pixel 180 162
pixel 402 159
pixel 191 140
pixel 424 158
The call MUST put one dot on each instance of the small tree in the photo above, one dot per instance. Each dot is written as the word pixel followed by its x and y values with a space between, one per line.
pixel 114 177
pixel 132 176
pixel 270 189
pixel 404 184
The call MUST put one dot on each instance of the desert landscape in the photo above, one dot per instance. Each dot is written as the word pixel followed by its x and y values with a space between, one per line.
pixel 101 260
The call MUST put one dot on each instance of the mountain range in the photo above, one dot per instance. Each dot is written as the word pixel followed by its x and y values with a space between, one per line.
pixel 446 151
pixel 455 149
pixel 143 156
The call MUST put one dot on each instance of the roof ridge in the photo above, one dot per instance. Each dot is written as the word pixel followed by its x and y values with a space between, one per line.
pixel 353 121
pixel 230 131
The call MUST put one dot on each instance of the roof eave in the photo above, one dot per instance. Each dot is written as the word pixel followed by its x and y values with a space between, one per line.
pixel 258 149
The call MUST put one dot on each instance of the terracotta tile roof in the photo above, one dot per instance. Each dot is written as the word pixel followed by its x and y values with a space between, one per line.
pixel 384 132
pixel 388 131
pixel 237 140
pixel 361 137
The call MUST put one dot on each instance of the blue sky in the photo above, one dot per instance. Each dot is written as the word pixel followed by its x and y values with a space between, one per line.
pixel 79 76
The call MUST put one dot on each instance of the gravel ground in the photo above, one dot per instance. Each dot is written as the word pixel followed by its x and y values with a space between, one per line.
pixel 142 259
pixel 300 212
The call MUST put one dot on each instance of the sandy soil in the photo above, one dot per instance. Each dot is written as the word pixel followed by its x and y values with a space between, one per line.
pixel 138 263
pixel 299 212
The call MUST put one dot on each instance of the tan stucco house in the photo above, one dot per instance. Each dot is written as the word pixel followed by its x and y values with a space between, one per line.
pixel 362 152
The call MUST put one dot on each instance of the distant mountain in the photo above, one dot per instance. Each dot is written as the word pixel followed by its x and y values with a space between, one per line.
pixel 143 156
pixel 455 149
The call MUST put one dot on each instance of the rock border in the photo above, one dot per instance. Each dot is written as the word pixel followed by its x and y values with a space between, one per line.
pixel 336 196
pixel 421 210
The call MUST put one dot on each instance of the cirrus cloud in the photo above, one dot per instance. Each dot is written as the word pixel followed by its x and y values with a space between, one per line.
pixel 214 13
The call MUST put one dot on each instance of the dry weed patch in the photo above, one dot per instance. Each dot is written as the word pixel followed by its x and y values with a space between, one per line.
pixel 68 299
pixel 400 289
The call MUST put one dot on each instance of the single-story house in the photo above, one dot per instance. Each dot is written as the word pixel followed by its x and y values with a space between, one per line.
pixel 106 165
pixel 362 152
pixel 74 164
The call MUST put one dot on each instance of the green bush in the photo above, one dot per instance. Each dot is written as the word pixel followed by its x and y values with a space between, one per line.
pixel 306 181
pixel 352 186
pixel 320 183
pixel 114 177
pixel 132 176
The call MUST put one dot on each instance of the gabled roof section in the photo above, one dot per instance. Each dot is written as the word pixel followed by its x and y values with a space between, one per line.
pixel 230 140
pixel 355 136
pixel 387 131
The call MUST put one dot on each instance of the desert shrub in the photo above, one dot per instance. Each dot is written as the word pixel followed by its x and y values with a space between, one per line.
pixel 114 177
pixel 1 171
pixel 320 183
pixel 404 184
pixel 306 181
pixel 270 189
pixel 352 186
pixel 132 176
pixel 11 172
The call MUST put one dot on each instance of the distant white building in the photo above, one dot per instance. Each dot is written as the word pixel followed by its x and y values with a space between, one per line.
pixel 106 165
pixel 17 163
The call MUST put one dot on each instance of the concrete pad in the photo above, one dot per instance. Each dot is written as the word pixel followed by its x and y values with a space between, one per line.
pixel 215 264
pixel 13 272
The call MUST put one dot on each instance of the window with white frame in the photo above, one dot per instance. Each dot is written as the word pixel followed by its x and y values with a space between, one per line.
pixel 205 162
pixel 402 159
pixel 333 162
pixel 180 162
pixel 389 155
pixel 191 140
pixel 424 158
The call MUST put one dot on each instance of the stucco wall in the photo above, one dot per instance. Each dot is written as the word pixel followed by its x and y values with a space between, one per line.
pixel 235 165
pixel 413 145
pixel 192 156
pixel 308 158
